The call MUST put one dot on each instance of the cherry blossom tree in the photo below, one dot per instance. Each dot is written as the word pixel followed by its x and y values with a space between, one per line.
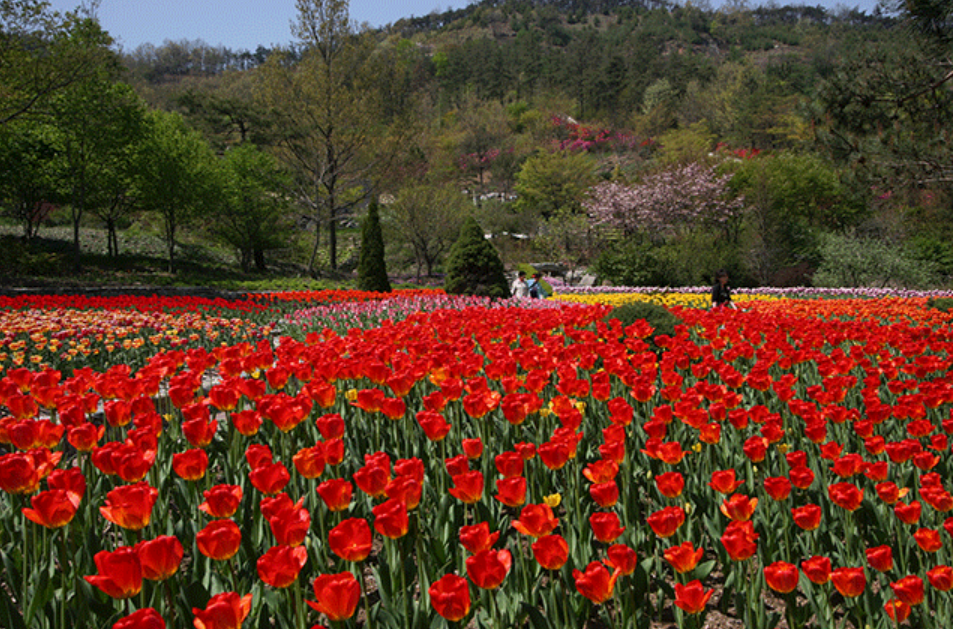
pixel 665 202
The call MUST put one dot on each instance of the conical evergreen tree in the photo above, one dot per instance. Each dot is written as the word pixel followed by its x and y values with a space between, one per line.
pixel 371 267
pixel 474 266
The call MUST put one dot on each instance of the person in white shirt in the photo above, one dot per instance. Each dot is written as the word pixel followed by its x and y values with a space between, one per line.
pixel 520 288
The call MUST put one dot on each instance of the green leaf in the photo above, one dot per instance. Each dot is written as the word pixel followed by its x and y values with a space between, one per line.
pixel 9 614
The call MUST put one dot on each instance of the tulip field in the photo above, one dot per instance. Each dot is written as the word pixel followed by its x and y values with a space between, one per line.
pixel 414 460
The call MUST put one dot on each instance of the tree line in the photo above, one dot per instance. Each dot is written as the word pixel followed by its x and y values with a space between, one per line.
pixel 652 142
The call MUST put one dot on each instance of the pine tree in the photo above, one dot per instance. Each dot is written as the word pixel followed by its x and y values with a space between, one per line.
pixel 371 268
pixel 473 266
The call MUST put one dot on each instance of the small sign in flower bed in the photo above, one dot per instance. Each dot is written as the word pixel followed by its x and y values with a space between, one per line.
pixel 481 464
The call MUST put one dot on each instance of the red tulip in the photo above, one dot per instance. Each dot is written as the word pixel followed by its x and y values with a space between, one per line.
pixel 596 583
pixel 605 494
pixel 846 495
pixel 488 568
pixel 740 540
pixel 337 595
pixel 191 464
pixel 621 558
pixel 468 487
pixel 897 610
pixel 450 597
pixel 928 540
pixel 666 521
pixel 692 597
pixel 817 569
pixel 551 551
pixel 52 508
pixel 160 557
pixel 120 573
pixel 850 582
pixel 290 526
pixel 909 589
pixel 147 618
pixel 781 576
pixel 941 578
pixel 309 462
pixel 18 473
pixel 778 487
pixel 536 520
pixel 739 507
pixel 801 476
pixel 351 540
pixel 684 557
pixel 336 493
pixel 227 610
pixel 807 517
pixel 221 501
pixel 390 519
pixel 477 537
pixel 130 506
pixel 724 481
pixel 511 491
pixel 433 424
pixel 279 567
pixel 219 540
pixel 670 484
pixel 606 526
pixel 473 448
pixel 880 558
pixel 269 478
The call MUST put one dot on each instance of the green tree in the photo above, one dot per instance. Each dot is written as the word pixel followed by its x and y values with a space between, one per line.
pixel 324 109
pixel 29 179
pixel 550 183
pixel 252 215
pixel 371 267
pixel 175 176
pixel 790 198
pixel 473 266
pixel 96 121
pixel 426 217
pixel 43 52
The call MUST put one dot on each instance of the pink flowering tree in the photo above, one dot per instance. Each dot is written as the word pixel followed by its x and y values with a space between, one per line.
pixel 666 203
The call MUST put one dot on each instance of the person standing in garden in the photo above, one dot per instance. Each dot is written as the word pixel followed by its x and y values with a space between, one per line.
pixel 536 289
pixel 519 287
pixel 721 292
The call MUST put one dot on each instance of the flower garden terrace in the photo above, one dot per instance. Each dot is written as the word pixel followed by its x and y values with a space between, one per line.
pixel 506 466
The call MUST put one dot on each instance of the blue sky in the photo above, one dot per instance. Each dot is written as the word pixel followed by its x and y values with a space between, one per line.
pixel 236 24
pixel 246 24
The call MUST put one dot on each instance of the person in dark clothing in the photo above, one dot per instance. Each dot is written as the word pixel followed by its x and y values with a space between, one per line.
pixel 721 292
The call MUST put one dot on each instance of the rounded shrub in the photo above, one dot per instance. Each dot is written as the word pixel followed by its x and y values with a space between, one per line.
pixel 659 317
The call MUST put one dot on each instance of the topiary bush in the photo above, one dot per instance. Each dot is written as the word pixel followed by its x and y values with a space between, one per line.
pixel 473 266
pixel 944 304
pixel 371 267
pixel 659 317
